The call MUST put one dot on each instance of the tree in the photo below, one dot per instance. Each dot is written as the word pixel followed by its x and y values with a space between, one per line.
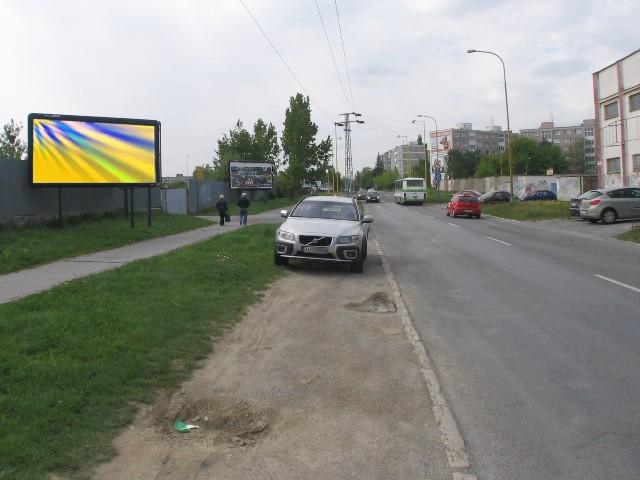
pixel 532 158
pixel 489 166
pixel 386 179
pixel 11 146
pixel 575 159
pixel 304 159
pixel 379 168
pixel 239 145
pixel 462 164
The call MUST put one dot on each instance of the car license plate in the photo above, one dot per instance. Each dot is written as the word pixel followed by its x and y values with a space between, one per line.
pixel 468 211
pixel 317 250
pixel 583 211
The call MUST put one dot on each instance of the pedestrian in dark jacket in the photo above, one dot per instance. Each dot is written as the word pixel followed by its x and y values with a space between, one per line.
pixel 221 206
pixel 243 203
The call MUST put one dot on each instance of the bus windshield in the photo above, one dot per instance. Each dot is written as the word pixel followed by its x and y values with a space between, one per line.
pixel 415 183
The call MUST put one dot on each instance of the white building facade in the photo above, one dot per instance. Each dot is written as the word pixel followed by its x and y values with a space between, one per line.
pixel 616 96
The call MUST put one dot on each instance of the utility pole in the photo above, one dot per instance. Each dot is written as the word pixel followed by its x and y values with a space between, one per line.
pixel 348 162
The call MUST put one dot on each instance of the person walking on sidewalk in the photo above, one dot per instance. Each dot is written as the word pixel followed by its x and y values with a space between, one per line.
pixel 221 206
pixel 243 203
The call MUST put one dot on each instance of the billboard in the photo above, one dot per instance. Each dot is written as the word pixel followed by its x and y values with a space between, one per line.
pixel 72 150
pixel 246 175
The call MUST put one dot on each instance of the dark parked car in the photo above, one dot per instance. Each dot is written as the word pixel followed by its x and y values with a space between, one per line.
pixel 539 195
pixel 495 196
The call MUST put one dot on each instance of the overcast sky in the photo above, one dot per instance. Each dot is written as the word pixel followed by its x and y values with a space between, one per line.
pixel 198 66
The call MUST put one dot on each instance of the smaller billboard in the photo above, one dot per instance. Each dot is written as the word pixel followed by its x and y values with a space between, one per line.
pixel 251 175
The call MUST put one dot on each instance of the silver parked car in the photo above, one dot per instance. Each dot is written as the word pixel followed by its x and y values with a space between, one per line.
pixel 610 204
pixel 324 229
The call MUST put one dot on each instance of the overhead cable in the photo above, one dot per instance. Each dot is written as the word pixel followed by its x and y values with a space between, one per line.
pixel 344 53
pixel 284 61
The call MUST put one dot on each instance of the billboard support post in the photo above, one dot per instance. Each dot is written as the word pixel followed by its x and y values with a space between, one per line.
pixel 60 206
pixel 126 202
pixel 149 207
pixel 132 210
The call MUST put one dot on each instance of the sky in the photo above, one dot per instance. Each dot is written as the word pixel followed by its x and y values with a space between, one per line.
pixel 198 66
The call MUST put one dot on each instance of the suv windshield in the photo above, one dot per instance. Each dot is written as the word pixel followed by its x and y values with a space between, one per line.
pixel 329 210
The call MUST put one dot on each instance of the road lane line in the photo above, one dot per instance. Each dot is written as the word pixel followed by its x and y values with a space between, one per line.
pixel 499 241
pixel 617 282
pixel 452 438
pixel 453 225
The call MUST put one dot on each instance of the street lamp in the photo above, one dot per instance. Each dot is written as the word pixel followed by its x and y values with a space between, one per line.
pixel 506 101
pixel 424 134
pixel 335 128
pixel 437 162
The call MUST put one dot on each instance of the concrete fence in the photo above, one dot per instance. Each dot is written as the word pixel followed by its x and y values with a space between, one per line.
pixel 18 200
pixel 565 187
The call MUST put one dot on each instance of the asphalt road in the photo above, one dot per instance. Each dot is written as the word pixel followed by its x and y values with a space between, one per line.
pixel 534 330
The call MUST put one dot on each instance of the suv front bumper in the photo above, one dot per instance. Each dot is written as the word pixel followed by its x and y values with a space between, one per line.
pixel 335 253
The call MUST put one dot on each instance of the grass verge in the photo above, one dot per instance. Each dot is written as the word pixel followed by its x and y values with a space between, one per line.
pixel 438 196
pixel 75 359
pixel 26 247
pixel 633 235
pixel 536 210
pixel 257 206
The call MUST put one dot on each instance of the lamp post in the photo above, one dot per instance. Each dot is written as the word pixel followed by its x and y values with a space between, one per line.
pixel 335 131
pixel 437 151
pixel 506 102
pixel 424 134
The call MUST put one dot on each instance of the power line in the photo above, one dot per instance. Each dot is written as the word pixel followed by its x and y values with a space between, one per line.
pixel 283 60
pixel 344 53
pixel 333 58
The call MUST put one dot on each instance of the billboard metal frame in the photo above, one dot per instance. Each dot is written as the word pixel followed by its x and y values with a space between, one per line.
pixel 83 118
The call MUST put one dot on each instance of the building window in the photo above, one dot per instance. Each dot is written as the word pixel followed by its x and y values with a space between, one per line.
pixel 613 165
pixel 634 102
pixel 611 110
pixel 636 162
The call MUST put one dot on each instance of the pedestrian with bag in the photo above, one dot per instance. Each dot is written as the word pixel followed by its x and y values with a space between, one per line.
pixel 221 206
pixel 243 203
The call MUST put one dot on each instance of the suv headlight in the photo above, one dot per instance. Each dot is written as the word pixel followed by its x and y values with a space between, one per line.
pixel 349 239
pixel 290 237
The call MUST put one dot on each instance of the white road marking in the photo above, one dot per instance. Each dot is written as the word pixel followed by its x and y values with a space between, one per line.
pixel 499 241
pixel 429 216
pixel 617 282
pixel 453 225
pixel 449 431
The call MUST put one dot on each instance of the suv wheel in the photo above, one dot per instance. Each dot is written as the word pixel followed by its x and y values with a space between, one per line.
pixel 609 216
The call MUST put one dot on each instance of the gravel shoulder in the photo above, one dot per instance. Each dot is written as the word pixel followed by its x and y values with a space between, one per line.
pixel 317 381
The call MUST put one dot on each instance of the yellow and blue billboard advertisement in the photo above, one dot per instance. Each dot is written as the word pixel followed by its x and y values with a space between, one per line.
pixel 73 150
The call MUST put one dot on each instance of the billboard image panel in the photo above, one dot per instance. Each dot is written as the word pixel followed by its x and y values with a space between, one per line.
pixel 66 150
pixel 246 175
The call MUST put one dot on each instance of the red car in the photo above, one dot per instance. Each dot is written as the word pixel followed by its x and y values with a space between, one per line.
pixel 464 204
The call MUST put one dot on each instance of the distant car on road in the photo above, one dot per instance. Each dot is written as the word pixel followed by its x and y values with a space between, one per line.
pixel 495 196
pixel 464 204
pixel 324 229
pixel 361 195
pixel 609 205
pixel 373 196
pixel 539 195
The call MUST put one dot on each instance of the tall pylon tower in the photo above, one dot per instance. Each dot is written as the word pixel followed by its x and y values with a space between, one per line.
pixel 348 161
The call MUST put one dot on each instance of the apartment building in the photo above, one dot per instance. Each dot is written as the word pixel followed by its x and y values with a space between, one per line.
pixel 406 158
pixel 616 98
pixel 566 138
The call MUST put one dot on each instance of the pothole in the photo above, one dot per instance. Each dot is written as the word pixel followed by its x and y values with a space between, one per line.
pixel 379 302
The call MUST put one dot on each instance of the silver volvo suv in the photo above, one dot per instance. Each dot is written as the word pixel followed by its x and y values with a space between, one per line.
pixel 324 229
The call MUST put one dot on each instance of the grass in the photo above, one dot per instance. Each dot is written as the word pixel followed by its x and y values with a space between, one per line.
pixel 257 206
pixel 632 235
pixel 74 360
pixel 534 210
pixel 438 196
pixel 26 247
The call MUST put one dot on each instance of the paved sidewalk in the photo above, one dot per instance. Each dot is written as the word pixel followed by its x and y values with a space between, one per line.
pixel 33 280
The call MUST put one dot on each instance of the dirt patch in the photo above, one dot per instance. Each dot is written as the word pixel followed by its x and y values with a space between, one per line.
pixel 379 302
pixel 220 418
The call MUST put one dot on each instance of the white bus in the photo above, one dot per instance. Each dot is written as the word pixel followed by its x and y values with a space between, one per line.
pixel 410 190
